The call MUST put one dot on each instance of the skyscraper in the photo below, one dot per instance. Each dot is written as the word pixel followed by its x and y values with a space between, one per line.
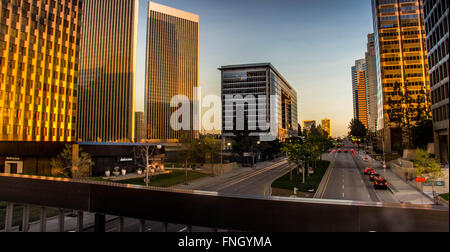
pixel 371 77
pixel 359 79
pixel 172 68
pixel 39 49
pixel 402 69
pixel 258 80
pixel 107 71
pixel 308 125
pixel 326 126
pixel 139 129
pixel 437 26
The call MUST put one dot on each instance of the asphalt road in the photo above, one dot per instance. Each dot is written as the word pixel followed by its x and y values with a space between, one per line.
pixel 254 183
pixel 348 182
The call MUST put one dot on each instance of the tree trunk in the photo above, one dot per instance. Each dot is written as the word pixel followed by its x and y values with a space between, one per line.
pixel 304 177
pixel 290 171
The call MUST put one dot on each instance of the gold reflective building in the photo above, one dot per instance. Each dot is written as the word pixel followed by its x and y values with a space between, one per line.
pixel 108 71
pixel 402 66
pixel 172 68
pixel 359 79
pixel 326 126
pixel 39 43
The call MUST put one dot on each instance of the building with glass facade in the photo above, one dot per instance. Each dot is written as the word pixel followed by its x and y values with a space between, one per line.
pixel 359 84
pixel 107 78
pixel 437 28
pixel 371 87
pixel 258 80
pixel 326 126
pixel 308 125
pixel 402 70
pixel 172 69
pixel 139 129
pixel 39 49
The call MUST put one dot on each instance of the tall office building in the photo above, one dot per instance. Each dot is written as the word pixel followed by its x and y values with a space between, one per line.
pixel 402 69
pixel 107 71
pixel 308 125
pixel 172 69
pixel 39 48
pixel 258 80
pixel 326 126
pixel 437 27
pixel 359 79
pixel 371 77
pixel 139 129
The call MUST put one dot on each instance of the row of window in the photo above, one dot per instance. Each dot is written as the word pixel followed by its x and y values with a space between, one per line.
pixel 440 93
pixel 38 131
pixel 440 114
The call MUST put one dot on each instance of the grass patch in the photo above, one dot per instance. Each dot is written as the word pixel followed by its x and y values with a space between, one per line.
pixel 35 214
pixel 167 180
pixel 311 182
pixel 175 177
pixel 444 196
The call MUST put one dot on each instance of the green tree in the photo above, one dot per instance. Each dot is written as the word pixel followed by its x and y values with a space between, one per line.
pixel 429 168
pixel 71 167
pixel 422 134
pixel 357 129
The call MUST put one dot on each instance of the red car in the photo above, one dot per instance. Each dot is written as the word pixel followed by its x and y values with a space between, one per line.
pixel 339 151
pixel 369 171
pixel 375 177
pixel 381 184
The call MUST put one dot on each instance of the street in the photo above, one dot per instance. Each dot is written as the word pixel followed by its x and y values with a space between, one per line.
pixel 254 183
pixel 348 182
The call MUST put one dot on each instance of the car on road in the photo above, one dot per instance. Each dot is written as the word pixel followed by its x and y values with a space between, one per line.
pixel 369 171
pixel 375 177
pixel 339 151
pixel 381 184
pixel 345 151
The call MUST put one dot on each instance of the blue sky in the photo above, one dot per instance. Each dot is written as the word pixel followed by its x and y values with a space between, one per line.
pixel 313 43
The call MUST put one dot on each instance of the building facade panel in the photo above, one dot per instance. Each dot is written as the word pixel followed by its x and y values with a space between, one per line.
pixel 437 29
pixel 39 50
pixel 107 71
pixel 172 69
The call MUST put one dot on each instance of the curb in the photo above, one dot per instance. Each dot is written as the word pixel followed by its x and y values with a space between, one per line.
pixel 326 178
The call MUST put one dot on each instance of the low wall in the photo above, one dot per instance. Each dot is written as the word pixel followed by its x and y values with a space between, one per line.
pixel 404 169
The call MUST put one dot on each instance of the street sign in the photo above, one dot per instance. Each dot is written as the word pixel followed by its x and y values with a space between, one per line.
pixel 421 180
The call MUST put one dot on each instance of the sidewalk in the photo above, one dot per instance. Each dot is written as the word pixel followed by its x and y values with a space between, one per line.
pixel 199 183
pixel 402 191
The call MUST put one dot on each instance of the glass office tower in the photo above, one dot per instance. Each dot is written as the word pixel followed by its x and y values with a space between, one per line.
pixel 437 27
pixel 258 80
pixel 107 71
pixel 39 49
pixel 371 74
pixel 172 69
pixel 359 79
pixel 402 69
